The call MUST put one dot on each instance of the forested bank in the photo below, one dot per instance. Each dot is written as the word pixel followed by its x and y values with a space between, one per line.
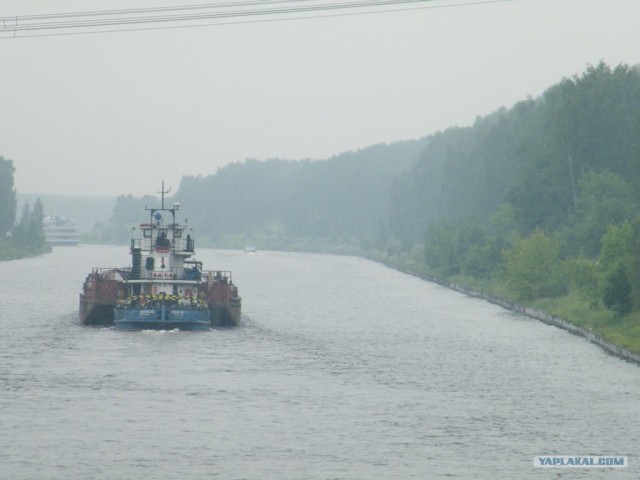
pixel 25 238
pixel 539 203
pixel 284 204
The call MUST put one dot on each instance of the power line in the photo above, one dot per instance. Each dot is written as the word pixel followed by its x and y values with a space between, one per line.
pixel 119 17
pixel 134 19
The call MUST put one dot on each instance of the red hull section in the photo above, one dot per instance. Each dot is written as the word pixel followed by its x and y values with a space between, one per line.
pixel 100 292
pixel 104 287
pixel 222 297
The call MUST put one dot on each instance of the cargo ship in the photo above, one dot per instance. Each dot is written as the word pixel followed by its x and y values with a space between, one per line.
pixel 164 288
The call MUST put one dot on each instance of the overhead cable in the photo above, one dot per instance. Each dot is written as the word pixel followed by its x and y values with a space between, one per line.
pixel 101 21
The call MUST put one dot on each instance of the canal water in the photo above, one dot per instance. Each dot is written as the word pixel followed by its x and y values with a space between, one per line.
pixel 341 369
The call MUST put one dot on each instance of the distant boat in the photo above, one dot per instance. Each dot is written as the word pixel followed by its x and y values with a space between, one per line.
pixel 60 231
pixel 249 249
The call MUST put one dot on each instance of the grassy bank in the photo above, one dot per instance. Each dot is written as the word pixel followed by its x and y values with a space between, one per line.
pixel 620 330
pixel 10 250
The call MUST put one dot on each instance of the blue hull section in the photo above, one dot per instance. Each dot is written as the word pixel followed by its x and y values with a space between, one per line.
pixel 161 319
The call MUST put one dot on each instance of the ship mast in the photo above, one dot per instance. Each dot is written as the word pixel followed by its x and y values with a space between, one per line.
pixel 162 192
pixel 173 210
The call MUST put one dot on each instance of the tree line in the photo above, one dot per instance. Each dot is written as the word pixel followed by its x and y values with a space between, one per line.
pixel 270 202
pixel 26 237
pixel 542 199
pixel 549 201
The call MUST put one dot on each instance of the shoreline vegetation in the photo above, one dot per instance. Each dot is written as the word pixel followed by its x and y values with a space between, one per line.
pixel 536 206
pixel 10 250
pixel 25 238
pixel 617 336
pixel 572 311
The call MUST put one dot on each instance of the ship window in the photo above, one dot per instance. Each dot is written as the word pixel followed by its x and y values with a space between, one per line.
pixel 177 233
pixel 149 263
pixel 146 232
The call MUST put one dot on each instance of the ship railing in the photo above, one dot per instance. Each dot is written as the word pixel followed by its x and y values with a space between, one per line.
pixel 115 274
pixel 156 300
pixel 219 276
pixel 176 245
pixel 192 273
pixel 169 273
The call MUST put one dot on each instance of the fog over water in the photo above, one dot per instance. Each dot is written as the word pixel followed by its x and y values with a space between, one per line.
pixel 113 113
pixel 341 368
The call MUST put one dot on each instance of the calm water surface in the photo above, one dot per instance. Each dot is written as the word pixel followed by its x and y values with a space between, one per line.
pixel 341 369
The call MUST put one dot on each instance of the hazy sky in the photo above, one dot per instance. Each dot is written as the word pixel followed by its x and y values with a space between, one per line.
pixel 115 113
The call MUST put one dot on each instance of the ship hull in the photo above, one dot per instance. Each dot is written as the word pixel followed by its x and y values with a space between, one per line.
pixel 163 318
pixel 95 314
pixel 163 288
pixel 227 315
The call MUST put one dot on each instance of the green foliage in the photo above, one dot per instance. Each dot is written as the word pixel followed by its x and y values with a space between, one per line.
pixel 462 172
pixel 617 291
pixel 130 210
pixel 344 196
pixel 441 250
pixel 30 229
pixel 535 157
pixel 605 199
pixel 619 263
pixel 109 234
pixel 588 124
pixel 585 279
pixel 7 197
pixel 12 250
pixel 470 248
pixel 533 268
pixel 567 164
pixel 482 260
pixel 615 246
pixel 27 237
pixel 477 198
